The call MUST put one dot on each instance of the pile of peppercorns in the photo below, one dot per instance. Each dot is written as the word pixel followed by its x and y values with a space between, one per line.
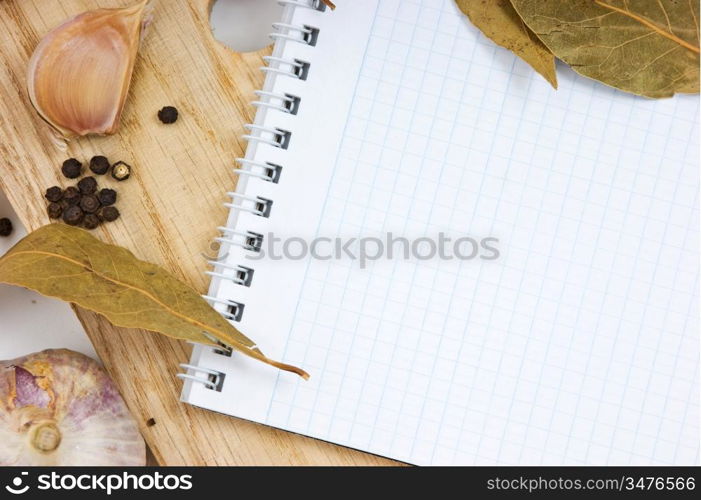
pixel 83 204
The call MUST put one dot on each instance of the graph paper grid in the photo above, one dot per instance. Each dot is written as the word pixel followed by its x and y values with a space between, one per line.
pixel 578 345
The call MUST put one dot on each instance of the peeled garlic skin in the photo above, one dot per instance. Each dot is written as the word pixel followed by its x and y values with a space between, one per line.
pixel 60 408
pixel 79 75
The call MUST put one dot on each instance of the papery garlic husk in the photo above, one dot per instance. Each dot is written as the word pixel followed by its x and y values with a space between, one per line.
pixel 59 407
pixel 79 74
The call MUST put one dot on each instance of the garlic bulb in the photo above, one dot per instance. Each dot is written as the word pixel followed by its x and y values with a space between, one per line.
pixel 79 74
pixel 59 407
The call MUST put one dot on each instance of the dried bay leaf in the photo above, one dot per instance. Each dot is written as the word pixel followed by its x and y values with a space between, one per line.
pixel 500 22
pixel 70 264
pixel 645 47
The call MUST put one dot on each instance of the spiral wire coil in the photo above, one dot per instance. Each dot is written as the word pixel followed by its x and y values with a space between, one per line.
pixel 266 171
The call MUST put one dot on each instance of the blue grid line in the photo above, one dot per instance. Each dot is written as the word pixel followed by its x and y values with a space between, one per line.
pixel 553 331
pixel 501 357
pixel 693 386
pixel 649 294
pixel 535 100
pixel 594 334
pixel 519 287
pixel 355 169
pixel 693 393
pixel 468 343
pixel 447 316
pixel 516 160
pixel 289 336
pixel 503 184
pixel 630 283
pixel 394 268
pixel 581 303
pixel 693 131
pixel 367 294
pixel 469 312
pixel 530 416
pixel 545 212
pixel 427 225
pixel 505 288
pixel 603 269
pixel 355 335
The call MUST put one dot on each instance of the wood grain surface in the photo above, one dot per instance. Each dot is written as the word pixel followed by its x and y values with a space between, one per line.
pixel 170 207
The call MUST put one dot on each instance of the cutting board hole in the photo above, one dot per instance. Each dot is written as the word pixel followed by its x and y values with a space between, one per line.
pixel 244 25
pixel 150 422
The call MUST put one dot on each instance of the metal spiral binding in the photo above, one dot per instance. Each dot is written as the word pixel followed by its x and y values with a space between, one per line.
pixel 261 207
pixel 295 68
pixel 275 137
pixel 287 103
pixel 271 171
pixel 307 35
pixel 251 241
pixel 234 309
pixel 266 171
pixel 214 379
pixel 243 276
pixel 307 4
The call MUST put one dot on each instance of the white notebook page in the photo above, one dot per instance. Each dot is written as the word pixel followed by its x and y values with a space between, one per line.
pixel 578 345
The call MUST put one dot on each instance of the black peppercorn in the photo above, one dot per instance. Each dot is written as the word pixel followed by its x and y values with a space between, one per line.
pixel 71 195
pixel 109 214
pixel 99 165
pixel 91 221
pixel 73 215
pixel 5 227
pixel 72 168
pixel 87 185
pixel 54 194
pixel 168 115
pixel 121 171
pixel 89 204
pixel 107 197
pixel 55 210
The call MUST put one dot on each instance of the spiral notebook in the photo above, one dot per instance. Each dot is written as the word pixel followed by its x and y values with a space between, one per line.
pixel 577 345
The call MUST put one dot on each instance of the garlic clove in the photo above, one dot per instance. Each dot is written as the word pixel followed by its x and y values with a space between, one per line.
pixel 79 75
pixel 59 407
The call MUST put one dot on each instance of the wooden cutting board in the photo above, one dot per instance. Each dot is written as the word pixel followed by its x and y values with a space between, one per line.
pixel 170 207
